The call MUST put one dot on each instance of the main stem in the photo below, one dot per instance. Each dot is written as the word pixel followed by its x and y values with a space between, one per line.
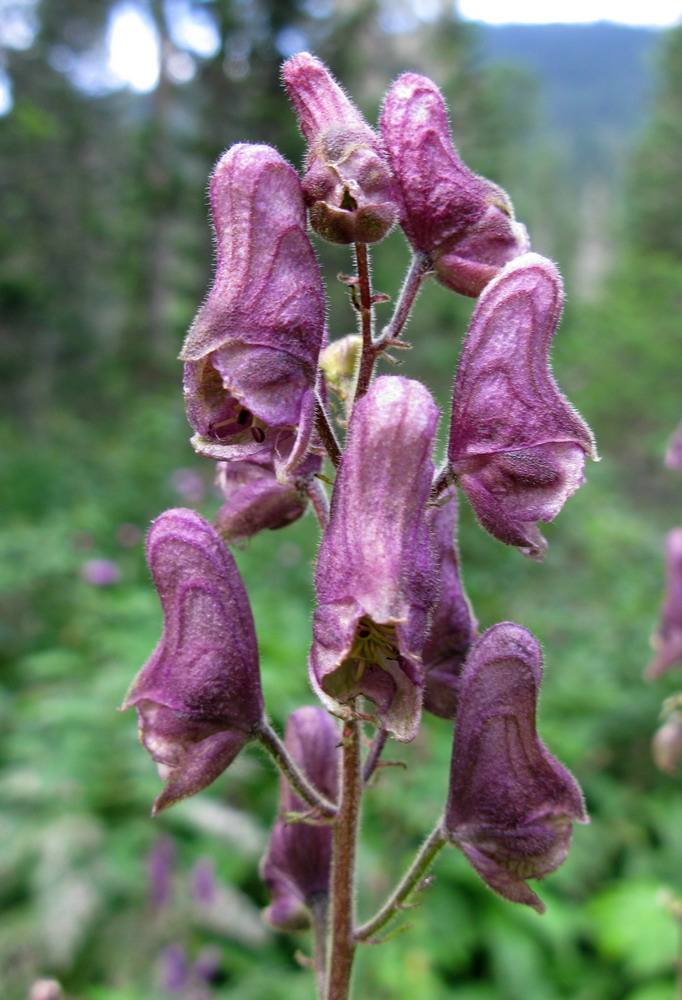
pixel 342 933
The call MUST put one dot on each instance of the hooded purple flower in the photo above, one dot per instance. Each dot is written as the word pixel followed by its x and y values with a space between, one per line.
pixel 510 803
pixel 453 628
pixel 517 446
pixel 348 184
pixel 198 697
pixel 297 864
pixel 667 641
pixel 463 222
pixel 251 352
pixel 376 580
pixel 255 500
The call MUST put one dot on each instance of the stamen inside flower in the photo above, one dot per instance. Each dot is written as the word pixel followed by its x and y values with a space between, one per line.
pixel 373 645
pixel 236 420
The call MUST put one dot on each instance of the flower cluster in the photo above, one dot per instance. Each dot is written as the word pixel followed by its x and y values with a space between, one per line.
pixel 393 632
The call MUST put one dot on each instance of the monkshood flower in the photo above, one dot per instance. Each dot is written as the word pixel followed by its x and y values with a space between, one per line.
pixel 667 641
pixel 254 498
pixel 453 627
pixel 297 864
pixel 251 352
pixel 464 222
pixel 376 575
pixel 348 184
pixel 510 803
pixel 198 697
pixel 673 456
pixel 517 447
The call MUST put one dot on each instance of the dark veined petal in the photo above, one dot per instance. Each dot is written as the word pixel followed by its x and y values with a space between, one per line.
pixel 251 352
pixel 376 579
pixel 517 446
pixel 510 803
pixel 464 222
pixel 198 697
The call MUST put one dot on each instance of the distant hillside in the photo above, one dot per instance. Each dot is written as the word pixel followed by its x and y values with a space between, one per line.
pixel 596 80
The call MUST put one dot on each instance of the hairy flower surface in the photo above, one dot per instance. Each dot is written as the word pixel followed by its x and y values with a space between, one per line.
pixel 348 184
pixel 667 640
pixel 255 500
pixel 517 447
pixel 376 578
pixel 251 352
pixel 464 222
pixel 453 627
pixel 510 803
pixel 198 697
pixel 297 864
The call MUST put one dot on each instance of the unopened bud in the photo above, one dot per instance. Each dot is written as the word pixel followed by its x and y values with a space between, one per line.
pixel 348 184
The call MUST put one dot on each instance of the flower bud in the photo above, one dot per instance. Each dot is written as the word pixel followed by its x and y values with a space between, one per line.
pixel 453 627
pixel 667 640
pixel 251 352
pixel 667 744
pixel 348 185
pixel 339 362
pixel 375 576
pixel 464 222
pixel 517 447
pixel 297 864
pixel 255 500
pixel 510 802
pixel 198 697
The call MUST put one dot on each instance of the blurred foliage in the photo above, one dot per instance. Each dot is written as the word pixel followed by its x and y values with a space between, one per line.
pixel 104 259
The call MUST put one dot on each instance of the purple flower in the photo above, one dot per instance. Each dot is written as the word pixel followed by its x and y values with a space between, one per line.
pixel 510 803
pixel 198 697
pixel 160 862
pixel 673 456
pixel 251 352
pixel 517 446
pixel 348 184
pixel 255 500
pixel 453 627
pixel 297 864
pixel 100 572
pixel 463 222
pixel 375 571
pixel 667 641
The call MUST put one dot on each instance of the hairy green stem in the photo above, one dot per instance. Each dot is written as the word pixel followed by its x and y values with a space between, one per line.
pixel 409 882
pixel 296 778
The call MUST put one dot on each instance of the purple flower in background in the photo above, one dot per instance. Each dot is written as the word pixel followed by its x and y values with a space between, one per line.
pixel 160 862
pixel 251 352
pixel 255 500
pixel 667 640
pixel 510 803
pixel 204 881
pixel 673 456
pixel 297 864
pixel 348 184
pixel 198 697
pixel 453 627
pixel 100 572
pixel 463 222
pixel 517 447
pixel 376 579
pixel 174 968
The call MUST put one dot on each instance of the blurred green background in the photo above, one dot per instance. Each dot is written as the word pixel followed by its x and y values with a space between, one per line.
pixel 106 253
